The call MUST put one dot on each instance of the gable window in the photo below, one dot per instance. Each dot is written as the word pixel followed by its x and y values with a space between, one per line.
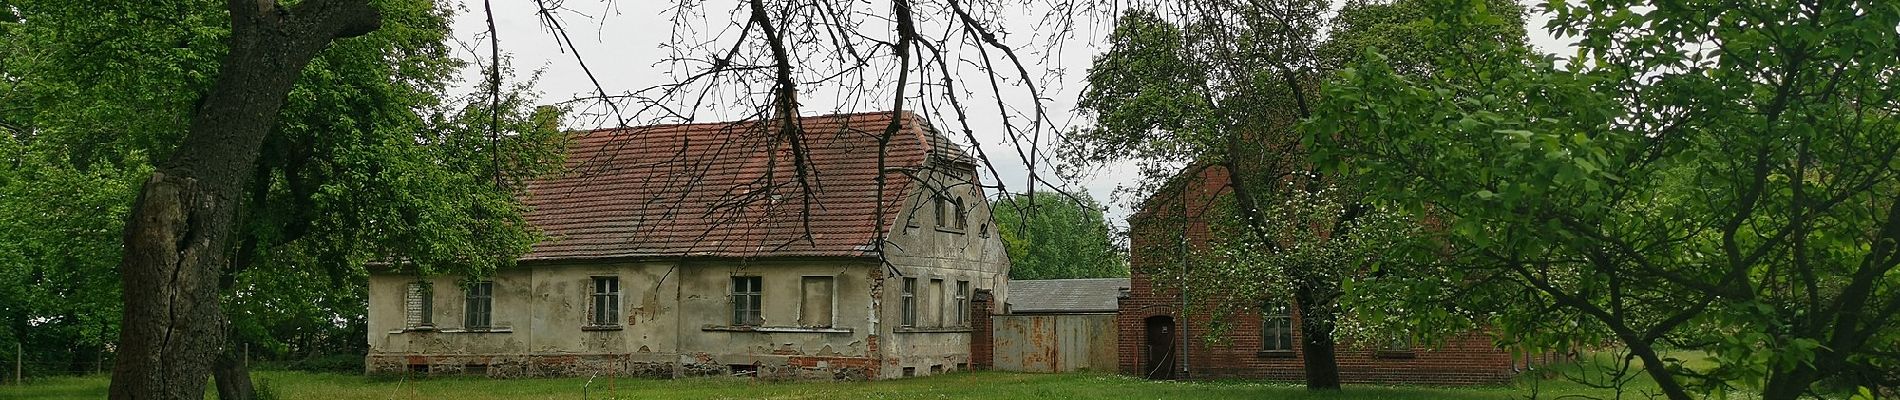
pixel 814 304
pixel 1276 328
pixel 935 298
pixel 418 306
pixel 606 304
pixel 963 303
pixel 910 302
pixel 746 300
pixel 479 298
pixel 950 213
pixel 962 218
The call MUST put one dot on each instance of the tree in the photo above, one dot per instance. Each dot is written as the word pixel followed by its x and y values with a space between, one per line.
pixel 1053 237
pixel 1710 178
pixel 371 160
pixel 1222 85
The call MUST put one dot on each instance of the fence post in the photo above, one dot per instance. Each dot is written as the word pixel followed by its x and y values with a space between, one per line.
pixel 18 363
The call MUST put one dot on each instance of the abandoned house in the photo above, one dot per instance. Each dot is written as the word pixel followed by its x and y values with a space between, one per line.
pixel 721 249
pixel 1158 341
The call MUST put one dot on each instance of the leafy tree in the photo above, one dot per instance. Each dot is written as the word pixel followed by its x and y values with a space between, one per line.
pixel 1222 86
pixel 1711 177
pixel 1055 237
pixel 370 160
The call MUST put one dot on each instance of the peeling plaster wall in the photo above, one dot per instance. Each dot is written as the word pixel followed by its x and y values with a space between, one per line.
pixel 920 249
pixel 672 313
pixel 676 315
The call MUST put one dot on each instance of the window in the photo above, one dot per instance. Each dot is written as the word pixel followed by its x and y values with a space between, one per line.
pixel 1276 328
pixel 962 218
pixel 746 300
pixel 606 301
pixel 910 302
pixel 814 306
pixel 950 214
pixel 480 300
pixel 934 297
pixel 1398 344
pixel 418 306
pixel 963 303
pixel 943 216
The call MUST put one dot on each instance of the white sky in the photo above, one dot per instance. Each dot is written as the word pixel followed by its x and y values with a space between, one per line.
pixel 621 39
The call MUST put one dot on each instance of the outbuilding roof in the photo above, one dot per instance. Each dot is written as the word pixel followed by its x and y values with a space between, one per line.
pixel 1065 295
pixel 730 189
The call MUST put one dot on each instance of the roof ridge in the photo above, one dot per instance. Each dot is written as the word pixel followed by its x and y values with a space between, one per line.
pixel 906 114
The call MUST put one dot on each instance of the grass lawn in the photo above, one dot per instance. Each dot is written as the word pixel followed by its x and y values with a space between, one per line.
pixel 1547 384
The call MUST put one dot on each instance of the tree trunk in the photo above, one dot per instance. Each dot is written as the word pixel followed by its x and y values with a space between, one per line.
pixel 1317 346
pixel 232 376
pixel 182 222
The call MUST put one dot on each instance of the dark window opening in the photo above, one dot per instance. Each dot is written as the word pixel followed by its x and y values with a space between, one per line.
pixel 480 300
pixel 1276 328
pixel 744 369
pixel 910 372
pixel 606 301
pixel 746 301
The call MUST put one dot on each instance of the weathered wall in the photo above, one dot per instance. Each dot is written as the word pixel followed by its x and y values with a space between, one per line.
pixel 673 314
pixel 1055 342
pixel 920 249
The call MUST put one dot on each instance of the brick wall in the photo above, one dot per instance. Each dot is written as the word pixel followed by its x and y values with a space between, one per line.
pixel 1156 233
pixel 982 331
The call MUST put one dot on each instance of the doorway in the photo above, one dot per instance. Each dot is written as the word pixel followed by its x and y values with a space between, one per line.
pixel 1160 355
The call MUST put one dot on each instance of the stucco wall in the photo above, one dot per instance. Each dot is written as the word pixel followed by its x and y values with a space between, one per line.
pixel 676 314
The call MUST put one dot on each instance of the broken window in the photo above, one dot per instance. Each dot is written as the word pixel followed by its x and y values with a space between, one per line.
pixel 1276 328
pixel 746 300
pixel 480 304
pixel 418 306
pixel 814 306
pixel 606 305
pixel 910 301
pixel 934 297
pixel 963 303
pixel 940 203
pixel 962 218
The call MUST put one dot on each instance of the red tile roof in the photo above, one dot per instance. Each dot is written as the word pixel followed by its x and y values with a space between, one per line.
pixel 727 190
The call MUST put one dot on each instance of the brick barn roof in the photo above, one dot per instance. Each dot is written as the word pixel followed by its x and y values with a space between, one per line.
pixel 728 189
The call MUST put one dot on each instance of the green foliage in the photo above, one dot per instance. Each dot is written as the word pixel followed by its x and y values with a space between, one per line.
pixel 1710 177
pixel 1050 236
pixel 373 160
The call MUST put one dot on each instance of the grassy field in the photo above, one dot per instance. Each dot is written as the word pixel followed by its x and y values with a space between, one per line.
pixel 972 385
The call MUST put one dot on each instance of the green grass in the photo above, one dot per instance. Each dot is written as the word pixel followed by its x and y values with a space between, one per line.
pixel 973 385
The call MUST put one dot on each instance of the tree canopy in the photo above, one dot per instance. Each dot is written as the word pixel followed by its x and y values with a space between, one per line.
pixel 373 160
pixel 1708 177
pixel 1050 236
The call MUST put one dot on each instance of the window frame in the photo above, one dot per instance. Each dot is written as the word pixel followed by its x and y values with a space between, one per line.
pixel 480 293
pixel 747 304
pixel 1277 317
pixel 604 307
pixel 908 294
pixel 963 303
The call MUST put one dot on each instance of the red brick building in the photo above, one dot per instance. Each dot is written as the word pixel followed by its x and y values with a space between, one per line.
pixel 1158 341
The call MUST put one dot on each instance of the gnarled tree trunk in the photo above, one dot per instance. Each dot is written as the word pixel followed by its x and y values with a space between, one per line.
pixel 1317 345
pixel 181 225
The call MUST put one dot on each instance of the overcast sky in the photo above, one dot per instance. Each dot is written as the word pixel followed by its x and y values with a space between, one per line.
pixel 621 41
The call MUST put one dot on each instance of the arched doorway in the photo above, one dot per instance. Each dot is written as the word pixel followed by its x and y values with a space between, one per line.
pixel 1159 360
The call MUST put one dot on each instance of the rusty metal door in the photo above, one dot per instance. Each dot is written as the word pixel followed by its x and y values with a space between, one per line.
pixel 1159 360
pixel 1054 342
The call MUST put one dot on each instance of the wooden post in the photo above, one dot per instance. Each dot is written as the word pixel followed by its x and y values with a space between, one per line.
pixel 18 363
